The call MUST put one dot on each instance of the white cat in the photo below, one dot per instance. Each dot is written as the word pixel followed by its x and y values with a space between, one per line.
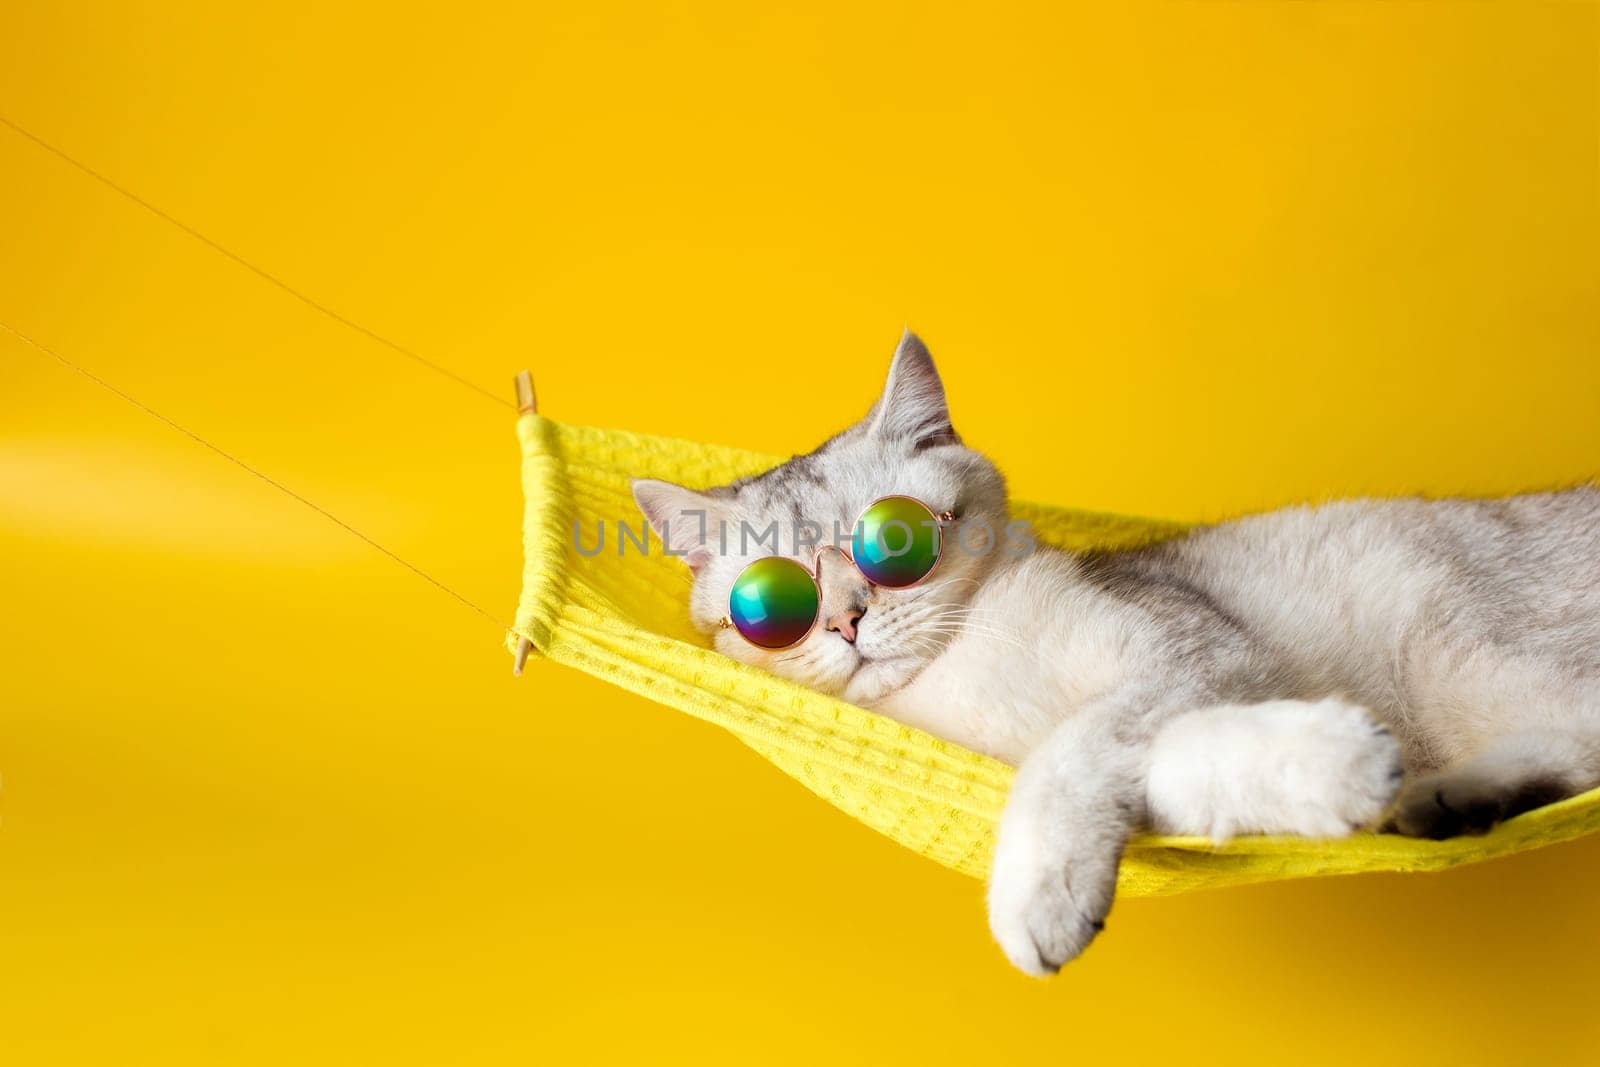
pixel 1276 674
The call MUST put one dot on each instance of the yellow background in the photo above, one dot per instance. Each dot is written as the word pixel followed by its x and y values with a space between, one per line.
pixel 270 795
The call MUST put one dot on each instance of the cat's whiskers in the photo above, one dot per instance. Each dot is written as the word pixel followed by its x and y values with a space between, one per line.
pixel 954 620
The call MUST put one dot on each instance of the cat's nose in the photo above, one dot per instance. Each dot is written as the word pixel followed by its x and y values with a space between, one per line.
pixel 844 623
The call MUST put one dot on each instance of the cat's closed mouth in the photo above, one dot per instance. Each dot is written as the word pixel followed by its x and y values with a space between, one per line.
pixel 873 677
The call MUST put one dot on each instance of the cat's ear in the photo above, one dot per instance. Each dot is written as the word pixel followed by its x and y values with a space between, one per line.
pixel 686 521
pixel 912 406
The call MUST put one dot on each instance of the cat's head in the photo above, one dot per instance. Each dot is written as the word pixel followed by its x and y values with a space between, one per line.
pixel 869 640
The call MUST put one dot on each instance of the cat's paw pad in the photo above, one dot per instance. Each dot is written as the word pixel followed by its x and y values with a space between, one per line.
pixel 1043 910
pixel 1466 802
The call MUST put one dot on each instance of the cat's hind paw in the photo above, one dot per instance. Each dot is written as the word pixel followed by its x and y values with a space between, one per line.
pixel 1456 803
pixel 1510 775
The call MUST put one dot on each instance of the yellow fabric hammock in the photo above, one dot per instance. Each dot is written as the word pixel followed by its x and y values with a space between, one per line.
pixel 622 618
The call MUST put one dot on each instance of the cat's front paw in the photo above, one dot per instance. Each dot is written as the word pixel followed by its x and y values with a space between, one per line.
pixel 1348 770
pixel 1046 903
pixel 1322 769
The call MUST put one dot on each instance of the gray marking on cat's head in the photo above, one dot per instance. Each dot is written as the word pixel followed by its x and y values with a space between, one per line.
pixel 904 446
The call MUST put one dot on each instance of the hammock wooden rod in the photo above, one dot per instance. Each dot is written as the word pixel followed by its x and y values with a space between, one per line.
pixel 527 401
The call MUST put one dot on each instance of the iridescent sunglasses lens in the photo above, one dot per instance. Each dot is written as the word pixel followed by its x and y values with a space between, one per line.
pixel 897 542
pixel 774 603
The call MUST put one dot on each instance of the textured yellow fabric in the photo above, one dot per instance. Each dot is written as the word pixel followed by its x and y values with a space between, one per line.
pixel 621 617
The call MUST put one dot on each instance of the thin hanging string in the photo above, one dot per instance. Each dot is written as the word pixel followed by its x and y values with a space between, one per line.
pixel 247 265
pixel 284 489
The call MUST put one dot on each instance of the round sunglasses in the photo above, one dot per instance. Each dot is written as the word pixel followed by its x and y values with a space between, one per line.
pixel 776 601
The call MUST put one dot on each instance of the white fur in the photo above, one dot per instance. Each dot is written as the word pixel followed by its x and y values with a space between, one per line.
pixel 1269 675
pixel 1323 769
